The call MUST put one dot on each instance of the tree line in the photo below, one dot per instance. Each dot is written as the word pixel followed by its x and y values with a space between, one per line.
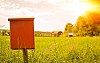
pixel 87 24
pixel 4 32
pixel 42 34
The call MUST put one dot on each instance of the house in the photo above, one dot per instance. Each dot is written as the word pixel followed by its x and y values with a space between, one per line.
pixel 56 33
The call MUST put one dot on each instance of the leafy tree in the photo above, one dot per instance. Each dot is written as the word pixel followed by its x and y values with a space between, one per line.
pixel 81 26
pixel 88 24
pixel 4 32
pixel 68 29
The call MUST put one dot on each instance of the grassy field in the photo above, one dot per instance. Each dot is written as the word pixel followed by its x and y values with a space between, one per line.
pixel 54 50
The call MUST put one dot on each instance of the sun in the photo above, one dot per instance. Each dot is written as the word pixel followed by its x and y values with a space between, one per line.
pixel 80 8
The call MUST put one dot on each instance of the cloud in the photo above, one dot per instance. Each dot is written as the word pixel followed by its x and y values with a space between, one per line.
pixel 2 26
pixel 34 1
pixel 49 14
pixel 4 22
pixel 54 1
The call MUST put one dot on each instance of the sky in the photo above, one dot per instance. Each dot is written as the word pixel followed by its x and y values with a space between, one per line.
pixel 50 15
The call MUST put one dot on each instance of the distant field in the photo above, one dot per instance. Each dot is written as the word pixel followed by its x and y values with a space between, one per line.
pixel 54 50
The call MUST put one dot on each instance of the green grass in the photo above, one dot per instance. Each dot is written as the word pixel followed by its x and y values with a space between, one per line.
pixel 54 50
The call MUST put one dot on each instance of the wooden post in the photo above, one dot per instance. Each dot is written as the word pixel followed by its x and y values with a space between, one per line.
pixel 25 55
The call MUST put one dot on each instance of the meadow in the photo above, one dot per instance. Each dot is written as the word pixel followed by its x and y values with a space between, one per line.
pixel 54 50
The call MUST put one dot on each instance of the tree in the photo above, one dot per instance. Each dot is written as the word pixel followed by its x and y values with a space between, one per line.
pixel 81 26
pixel 68 29
pixel 88 24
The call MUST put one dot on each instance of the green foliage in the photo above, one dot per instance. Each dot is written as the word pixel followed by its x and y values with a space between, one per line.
pixel 54 50
pixel 68 29
pixel 88 24
pixel 42 34
pixel 4 32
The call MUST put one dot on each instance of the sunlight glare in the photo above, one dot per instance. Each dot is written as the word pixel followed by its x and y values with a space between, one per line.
pixel 80 8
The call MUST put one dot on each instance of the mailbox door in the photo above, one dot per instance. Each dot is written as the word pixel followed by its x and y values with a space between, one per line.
pixel 22 34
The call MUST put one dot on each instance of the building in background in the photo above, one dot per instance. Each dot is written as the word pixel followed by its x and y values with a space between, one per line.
pixel 56 33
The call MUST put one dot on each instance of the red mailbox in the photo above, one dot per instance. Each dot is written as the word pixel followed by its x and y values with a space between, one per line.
pixel 22 33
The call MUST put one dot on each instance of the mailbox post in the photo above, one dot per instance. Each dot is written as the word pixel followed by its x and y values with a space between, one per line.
pixel 22 35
